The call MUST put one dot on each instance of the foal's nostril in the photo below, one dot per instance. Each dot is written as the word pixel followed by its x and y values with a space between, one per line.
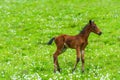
pixel 99 33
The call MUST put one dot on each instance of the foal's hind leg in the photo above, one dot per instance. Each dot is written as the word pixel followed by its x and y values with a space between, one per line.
pixel 60 44
pixel 55 57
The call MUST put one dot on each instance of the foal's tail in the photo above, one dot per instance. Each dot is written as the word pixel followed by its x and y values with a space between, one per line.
pixel 50 41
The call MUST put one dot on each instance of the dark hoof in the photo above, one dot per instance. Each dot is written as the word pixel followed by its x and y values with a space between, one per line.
pixel 73 70
pixel 59 69
pixel 82 71
pixel 54 71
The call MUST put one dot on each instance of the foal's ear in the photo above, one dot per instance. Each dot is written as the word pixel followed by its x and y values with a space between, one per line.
pixel 90 21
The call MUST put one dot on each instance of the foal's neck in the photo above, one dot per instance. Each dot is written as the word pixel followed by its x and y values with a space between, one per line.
pixel 85 32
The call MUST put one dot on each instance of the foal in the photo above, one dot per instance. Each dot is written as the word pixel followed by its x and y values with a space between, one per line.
pixel 78 42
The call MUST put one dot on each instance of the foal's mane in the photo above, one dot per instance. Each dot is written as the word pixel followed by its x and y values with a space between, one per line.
pixel 83 29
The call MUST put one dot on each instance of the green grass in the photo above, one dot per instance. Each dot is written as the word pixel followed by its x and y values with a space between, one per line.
pixel 27 25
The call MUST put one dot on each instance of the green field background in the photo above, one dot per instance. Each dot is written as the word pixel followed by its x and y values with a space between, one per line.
pixel 27 25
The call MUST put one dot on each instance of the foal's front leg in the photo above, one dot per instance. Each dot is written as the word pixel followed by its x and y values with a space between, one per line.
pixel 77 58
pixel 82 59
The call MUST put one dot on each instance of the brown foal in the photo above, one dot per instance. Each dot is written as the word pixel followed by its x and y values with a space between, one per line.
pixel 78 42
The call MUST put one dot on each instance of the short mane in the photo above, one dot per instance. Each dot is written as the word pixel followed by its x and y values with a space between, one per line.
pixel 81 32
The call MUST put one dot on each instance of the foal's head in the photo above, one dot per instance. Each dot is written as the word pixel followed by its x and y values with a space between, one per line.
pixel 94 28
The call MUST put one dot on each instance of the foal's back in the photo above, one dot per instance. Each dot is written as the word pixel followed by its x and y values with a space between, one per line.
pixel 68 41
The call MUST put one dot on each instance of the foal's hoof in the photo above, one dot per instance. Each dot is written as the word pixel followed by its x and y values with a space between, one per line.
pixel 82 71
pixel 59 69
pixel 73 70
pixel 54 71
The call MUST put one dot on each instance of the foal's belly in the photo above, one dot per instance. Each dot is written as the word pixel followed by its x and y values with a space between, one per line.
pixel 72 44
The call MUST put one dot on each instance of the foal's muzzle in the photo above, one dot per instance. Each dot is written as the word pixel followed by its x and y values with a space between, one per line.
pixel 99 33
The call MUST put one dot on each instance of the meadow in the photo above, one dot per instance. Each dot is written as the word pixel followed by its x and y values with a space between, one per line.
pixel 27 25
